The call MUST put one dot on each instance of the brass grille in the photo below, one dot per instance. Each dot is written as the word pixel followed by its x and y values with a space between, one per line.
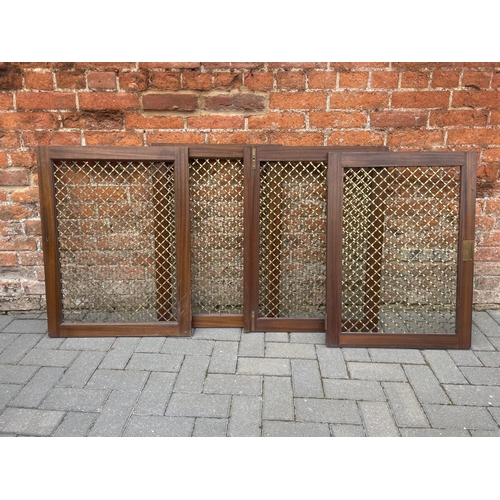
pixel 216 214
pixel 292 245
pixel 116 240
pixel 399 249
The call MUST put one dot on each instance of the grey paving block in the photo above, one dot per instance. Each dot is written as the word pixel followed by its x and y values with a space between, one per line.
pixel 224 357
pixel 37 388
pixel 376 371
pixel 16 350
pixel 43 357
pixel 434 433
pixel 308 337
pixel 367 390
pixel 47 342
pixel 485 433
pixel 150 344
pixel 491 359
pixel 7 393
pixel 264 366
pixel 246 413
pixel 460 417
pixel 426 385
pixel 11 374
pixel 76 424
pixel 331 362
pixel 155 395
pixel 210 427
pixel 377 419
pixel 26 326
pixel 5 320
pixel 277 399
pixel 290 350
pixel 479 341
pixel 88 344
pixel 347 430
pixel 495 341
pixel 120 353
pixel 276 337
pixel 474 395
pixel 71 399
pixel 159 426
pixel 252 345
pixel 294 429
pixel 486 323
pixel 80 371
pixel 217 333
pixel 404 404
pixel 306 379
pixel 6 339
pixel 495 412
pixel 192 374
pixel 155 362
pixel 408 356
pixel 118 379
pixel 190 346
pixel 326 410
pixel 250 385
pixel 355 354
pixel 481 376
pixel 29 422
pixel 464 358
pixel 198 405
pixel 115 414
pixel 495 314
pixel 444 367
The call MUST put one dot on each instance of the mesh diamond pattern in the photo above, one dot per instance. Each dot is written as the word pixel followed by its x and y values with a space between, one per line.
pixel 116 239
pixel 399 249
pixel 216 207
pixel 292 246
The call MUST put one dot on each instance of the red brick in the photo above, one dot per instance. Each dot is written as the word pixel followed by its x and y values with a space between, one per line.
pixel 4 159
pixel 101 80
pixel 10 228
pixel 10 77
pixel 417 138
pixel 136 121
pixel 384 80
pixel 355 138
pixel 170 65
pixel 291 80
pixel 230 138
pixel 107 100
pixel 415 79
pixel 293 138
pixel 487 172
pixel 487 253
pixel 114 139
pixel 165 80
pixel 448 79
pixel 175 137
pixel 484 223
pixel 16 243
pixel 358 100
pixel 169 102
pixel 447 118
pixel 277 121
pixel 495 82
pixel 233 65
pixel 38 81
pixel 27 121
pixel 216 122
pixel 490 240
pixel 476 99
pixel 298 100
pixel 45 100
pixel 420 99
pixel 14 177
pixel 398 119
pixel 34 139
pixel 196 81
pixel 322 80
pixel 495 117
pixel 9 140
pixel 33 227
pixel 13 212
pixel 227 80
pixel 8 259
pixel 70 80
pixel 6 101
pixel 259 81
pixel 33 287
pixel 301 65
pixel 23 158
pixel 134 81
pixel 349 66
pixel 353 80
pixel 480 137
pixel 492 207
pixel 476 79
pixel 336 119
pixel 30 195
pixel 103 66
pixel 490 155
pixel 243 102
pixel 101 120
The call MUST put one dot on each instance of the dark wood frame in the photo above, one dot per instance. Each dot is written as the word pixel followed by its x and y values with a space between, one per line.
pixel 58 328
pixel 337 162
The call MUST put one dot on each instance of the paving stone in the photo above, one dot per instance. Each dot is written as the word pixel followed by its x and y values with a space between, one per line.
pixel 250 385
pixel 479 341
pixel 290 350
pixel 80 371
pixel 26 326
pixel 486 323
pixel 444 367
pixel 294 429
pixel 224 357
pixel 190 346
pixel 482 376
pixel 246 414
pixel 495 341
pixel 331 362
pixel 326 410
pixel 355 354
pixel 150 344
pixel 49 343
pixel 252 345
pixel 18 349
pixel 6 339
pixel 120 353
pixel 408 356
pixel 426 385
pixel 377 419
pixel 473 395
pixel 264 366
pixel 16 374
pixel 278 399
pixel 5 320
pixel 434 432
pixel 38 387
pixel 29 422
pixel 485 433
pixel 459 417
pixel 88 344
pixel 405 406
pixel 198 405
pixel 491 359
pixel 217 333
pixel 156 393
pixel 7 393
pixel 115 413
pixel 464 358
pixel 43 357
pixel 276 337
pixel 76 424
pixel 308 337
pixel 306 379
pixel 155 362
pixel 71 399
pixel 347 430
pixel 496 414
pixel 495 314
pixel 159 426
pixel 118 379
pixel 368 390
pixel 210 427
pixel 376 371
pixel 192 374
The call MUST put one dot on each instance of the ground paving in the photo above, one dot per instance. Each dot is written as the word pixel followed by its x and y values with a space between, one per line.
pixel 223 382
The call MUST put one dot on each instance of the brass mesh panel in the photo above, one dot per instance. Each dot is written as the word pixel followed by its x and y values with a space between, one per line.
pixel 292 246
pixel 399 249
pixel 116 240
pixel 216 207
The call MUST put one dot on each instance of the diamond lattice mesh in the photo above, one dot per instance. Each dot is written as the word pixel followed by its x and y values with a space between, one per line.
pixel 116 239
pixel 399 249
pixel 216 207
pixel 292 246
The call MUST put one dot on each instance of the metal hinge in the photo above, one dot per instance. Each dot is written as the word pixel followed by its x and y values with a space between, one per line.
pixel 252 326
pixel 254 158
pixel 467 249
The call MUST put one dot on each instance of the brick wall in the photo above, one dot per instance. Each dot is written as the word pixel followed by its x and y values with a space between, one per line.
pixel 405 106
